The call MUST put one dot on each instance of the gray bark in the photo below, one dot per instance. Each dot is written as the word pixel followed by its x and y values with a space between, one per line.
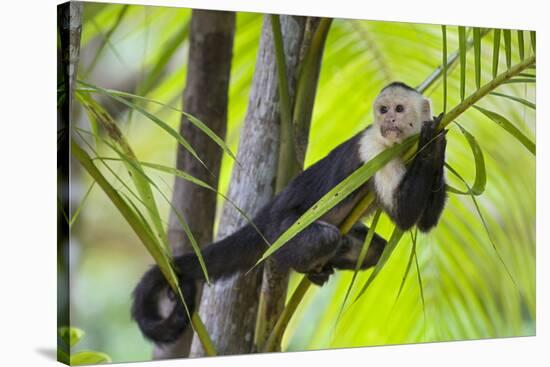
pixel 205 97
pixel 69 18
pixel 229 307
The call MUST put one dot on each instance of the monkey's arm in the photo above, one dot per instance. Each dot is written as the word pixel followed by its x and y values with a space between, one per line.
pixel 438 195
pixel 420 196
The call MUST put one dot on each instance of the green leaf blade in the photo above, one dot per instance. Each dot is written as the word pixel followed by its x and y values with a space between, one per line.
pixel 153 246
pixel 192 119
pixel 361 258
pixel 181 140
pixel 388 249
pixel 521 45
pixel 477 55
pixel 123 149
pixel 508 47
pixel 444 64
pixel 462 51
pixel 517 99
pixel 509 127
pixel 480 181
pixel 496 51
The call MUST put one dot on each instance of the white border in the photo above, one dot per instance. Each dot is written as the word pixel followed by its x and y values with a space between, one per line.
pixel 27 135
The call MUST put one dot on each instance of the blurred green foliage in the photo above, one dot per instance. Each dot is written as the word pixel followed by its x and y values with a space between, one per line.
pixel 467 292
pixel 70 337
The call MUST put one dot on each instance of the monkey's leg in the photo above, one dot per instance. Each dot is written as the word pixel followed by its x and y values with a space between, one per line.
pixel 438 195
pixel 413 193
pixel 310 249
pixel 348 252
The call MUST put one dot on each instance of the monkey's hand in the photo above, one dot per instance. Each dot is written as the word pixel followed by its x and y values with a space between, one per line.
pixel 432 143
pixel 436 201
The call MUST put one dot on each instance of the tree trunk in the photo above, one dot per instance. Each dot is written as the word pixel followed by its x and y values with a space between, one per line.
pixel 229 307
pixel 205 97
pixel 275 280
pixel 69 23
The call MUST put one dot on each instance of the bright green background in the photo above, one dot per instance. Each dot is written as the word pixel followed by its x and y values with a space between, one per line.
pixel 467 292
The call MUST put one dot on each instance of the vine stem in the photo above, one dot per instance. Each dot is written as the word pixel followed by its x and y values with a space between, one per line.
pixel 486 89
pixel 296 298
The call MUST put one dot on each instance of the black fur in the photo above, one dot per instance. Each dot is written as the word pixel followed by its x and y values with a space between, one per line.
pixel 420 197
pixel 401 85
pixel 438 196
pixel 309 252
pixel 317 250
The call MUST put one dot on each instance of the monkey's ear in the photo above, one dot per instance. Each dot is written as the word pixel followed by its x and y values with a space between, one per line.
pixel 426 110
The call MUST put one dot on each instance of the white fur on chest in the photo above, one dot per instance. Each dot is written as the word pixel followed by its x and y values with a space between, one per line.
pixel 388 177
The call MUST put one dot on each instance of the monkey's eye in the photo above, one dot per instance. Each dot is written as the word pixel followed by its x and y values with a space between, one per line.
pixel 399 108
pixel 383 109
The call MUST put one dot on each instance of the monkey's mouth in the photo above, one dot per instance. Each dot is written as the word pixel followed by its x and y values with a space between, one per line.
pixel 390 130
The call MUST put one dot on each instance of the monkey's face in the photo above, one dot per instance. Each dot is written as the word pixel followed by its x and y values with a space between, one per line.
pixel 398 113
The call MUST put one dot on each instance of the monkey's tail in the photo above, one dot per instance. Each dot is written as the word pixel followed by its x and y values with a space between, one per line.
pixel 235 253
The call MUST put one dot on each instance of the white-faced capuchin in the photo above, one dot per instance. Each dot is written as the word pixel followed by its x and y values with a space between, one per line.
pixel 409 195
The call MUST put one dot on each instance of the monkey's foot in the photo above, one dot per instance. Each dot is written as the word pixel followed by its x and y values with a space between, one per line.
pixel 320 277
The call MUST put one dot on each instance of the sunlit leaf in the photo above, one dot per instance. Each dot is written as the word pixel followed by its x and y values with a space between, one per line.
pixel 306 85
pixel 517 99
pixel 444 64
pixel 520 81
pixel 419 277
pixel 388 249
pixel 521 45
pixel 496 51
pixel 462 51
pixel 508 47
pixel 287 162
pixel 408 267
pixel 361 258
pixel 509 127
pixel 477 55
pixel 482 218
pixel 480 180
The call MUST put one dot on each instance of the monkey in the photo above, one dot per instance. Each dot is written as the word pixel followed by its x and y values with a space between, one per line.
pixel 413 195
